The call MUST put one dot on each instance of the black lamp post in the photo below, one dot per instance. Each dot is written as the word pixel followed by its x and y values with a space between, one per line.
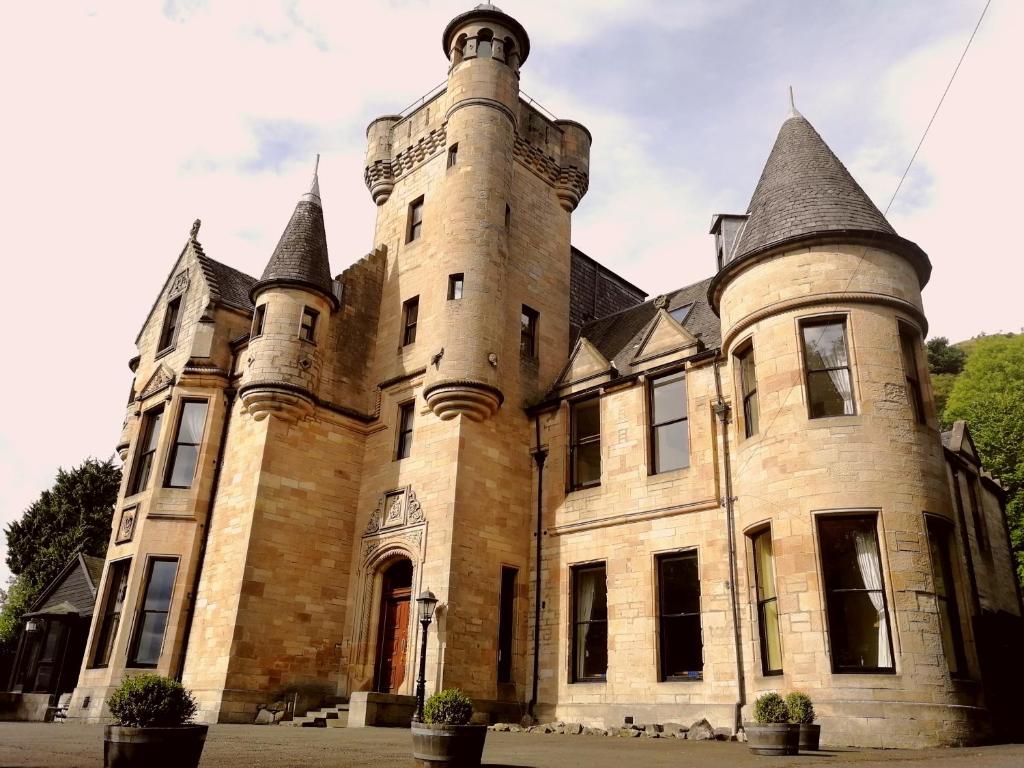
pixel 427 602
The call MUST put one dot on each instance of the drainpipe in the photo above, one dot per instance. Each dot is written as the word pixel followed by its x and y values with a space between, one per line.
pixel 540 454
pixel 723 411
pixel 229 394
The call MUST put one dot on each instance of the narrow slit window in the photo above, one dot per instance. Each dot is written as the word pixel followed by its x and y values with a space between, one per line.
pixel 909 343
pixel 585 447
pixel 670 431
pixel 146 451
pixel 508 215
pixel 307 328
pixel 748 390
pixel 590 624
pixel 152 619
pixel 415 228
pixel 827 369
pixel 506 622
pixel 528 332
pixel 113 604
pixel 680 642
pixel 259 318
pixel 940 544
pixel 410 318
pixel 455 286
pixel 767 602
pixel 405 418
pixel 172 317
pixel 453 155
pixel 181 469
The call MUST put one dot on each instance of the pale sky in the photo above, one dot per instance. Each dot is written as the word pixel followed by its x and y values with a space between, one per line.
pixel 125 121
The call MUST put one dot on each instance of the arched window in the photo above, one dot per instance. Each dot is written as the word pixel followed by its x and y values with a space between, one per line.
pixel 511 54
pixel 483 43
pixel 458 50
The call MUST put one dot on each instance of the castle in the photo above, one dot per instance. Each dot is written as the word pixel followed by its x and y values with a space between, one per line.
pixel 626 507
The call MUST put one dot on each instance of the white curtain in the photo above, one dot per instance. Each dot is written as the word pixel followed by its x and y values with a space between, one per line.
pixel 586 587
pixel 871 573
pixel 833 355
pixel 193 415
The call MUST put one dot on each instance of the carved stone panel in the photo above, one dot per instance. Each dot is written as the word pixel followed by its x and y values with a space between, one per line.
pixel 126 528
pixel 397 508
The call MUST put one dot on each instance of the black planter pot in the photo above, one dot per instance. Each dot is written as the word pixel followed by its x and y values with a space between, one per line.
pixel 810 737
pixel 456 746
pixel 773 738
pixel 179 747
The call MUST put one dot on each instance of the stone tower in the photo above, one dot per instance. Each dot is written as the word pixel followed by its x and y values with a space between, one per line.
pixel 826 297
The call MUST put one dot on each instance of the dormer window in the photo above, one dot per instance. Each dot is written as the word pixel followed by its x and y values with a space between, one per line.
pixel 171 319
pixel 307 329
pixel 679 314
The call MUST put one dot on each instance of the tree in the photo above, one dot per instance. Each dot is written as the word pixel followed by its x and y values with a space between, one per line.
pixel 989 396
pixel 943 357
pixel 73 516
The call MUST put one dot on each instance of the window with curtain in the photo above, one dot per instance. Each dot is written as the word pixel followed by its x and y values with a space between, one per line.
pixel 146 451
pixel 748 390
pixel 181 469
pixel 940 545
pixel 113 604
pixel 307 328
pixel 680 644
pixel 909 343
pixel 152 620
pixel 858 618
pixel 827 368
pixel 590 623
pixel 415 226
pixel 170 328
pixel 585 445
pixel 259 317
pixel 410 319
pixel 767 602
pixel 670 429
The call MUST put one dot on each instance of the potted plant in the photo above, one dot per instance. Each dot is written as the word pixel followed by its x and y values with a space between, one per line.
pixel 446 736
pixel 772 733
pixel 801 712
pixel 152 725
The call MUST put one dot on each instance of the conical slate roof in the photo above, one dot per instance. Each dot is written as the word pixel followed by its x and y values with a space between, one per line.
pixel 300 258
pixel 805 190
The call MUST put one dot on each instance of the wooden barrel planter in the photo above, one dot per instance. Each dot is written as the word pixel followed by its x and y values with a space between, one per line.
pixel 456 746
pixel 810 737
pixel 773 738
pixel 177 747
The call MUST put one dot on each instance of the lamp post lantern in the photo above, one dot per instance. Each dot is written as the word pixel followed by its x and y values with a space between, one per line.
pixel 427 603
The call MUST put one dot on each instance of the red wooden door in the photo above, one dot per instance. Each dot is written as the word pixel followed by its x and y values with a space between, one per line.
pixel 394 642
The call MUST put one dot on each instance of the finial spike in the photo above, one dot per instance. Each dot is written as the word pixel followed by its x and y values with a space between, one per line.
pixel 194 232
pixel 792 106
pixel 313 195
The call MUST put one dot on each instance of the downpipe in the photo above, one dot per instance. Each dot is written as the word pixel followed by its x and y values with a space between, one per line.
pixel 540 455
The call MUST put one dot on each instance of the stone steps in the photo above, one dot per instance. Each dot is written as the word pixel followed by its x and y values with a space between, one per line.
pixel 326 717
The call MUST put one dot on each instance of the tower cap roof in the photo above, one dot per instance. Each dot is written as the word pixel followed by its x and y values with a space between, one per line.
pixel 806 194
pixel 300 259
pixel 485 12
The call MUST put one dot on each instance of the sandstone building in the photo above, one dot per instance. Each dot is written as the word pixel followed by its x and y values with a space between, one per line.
pixel 650 508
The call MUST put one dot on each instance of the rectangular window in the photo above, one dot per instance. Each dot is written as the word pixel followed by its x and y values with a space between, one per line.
pixel 405 416
pixel 585 446
pixel 590 623
pixel 453 155
pixel 181 469
pixel 307 329
pixel 827 364
pixel 679 635
pixel 113 604
pixel 415 227
pixel 259 317
pixel 506 622
pixel 748 390
pixel 858 618
pixel 670 429
pixel 455 286
pixel 909 342
pixel 767 602
pixel 152 620
pixel 170 329
pixel 508 215
pixel 410 316
pixel 528 332
pixel 977 514
pixel 150 434
pixel 940 544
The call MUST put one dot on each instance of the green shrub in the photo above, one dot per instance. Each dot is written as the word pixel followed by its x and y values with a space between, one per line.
pixel 448 707
pixel 801 710
pixel 770 708
pixel 151 701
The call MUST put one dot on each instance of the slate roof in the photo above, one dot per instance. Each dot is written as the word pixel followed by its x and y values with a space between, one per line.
pixel 94 566
pixel 805 189
pixel 300 257
pixel 228 284
pixel 617 336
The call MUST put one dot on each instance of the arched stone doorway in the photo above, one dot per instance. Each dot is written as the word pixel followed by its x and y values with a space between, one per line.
pixel 393 627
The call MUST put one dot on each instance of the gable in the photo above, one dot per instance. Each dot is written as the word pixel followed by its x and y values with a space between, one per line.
pixel 70 592
pixel 664 336
pixel 162 378
pixel 186 274
pixel 586 362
